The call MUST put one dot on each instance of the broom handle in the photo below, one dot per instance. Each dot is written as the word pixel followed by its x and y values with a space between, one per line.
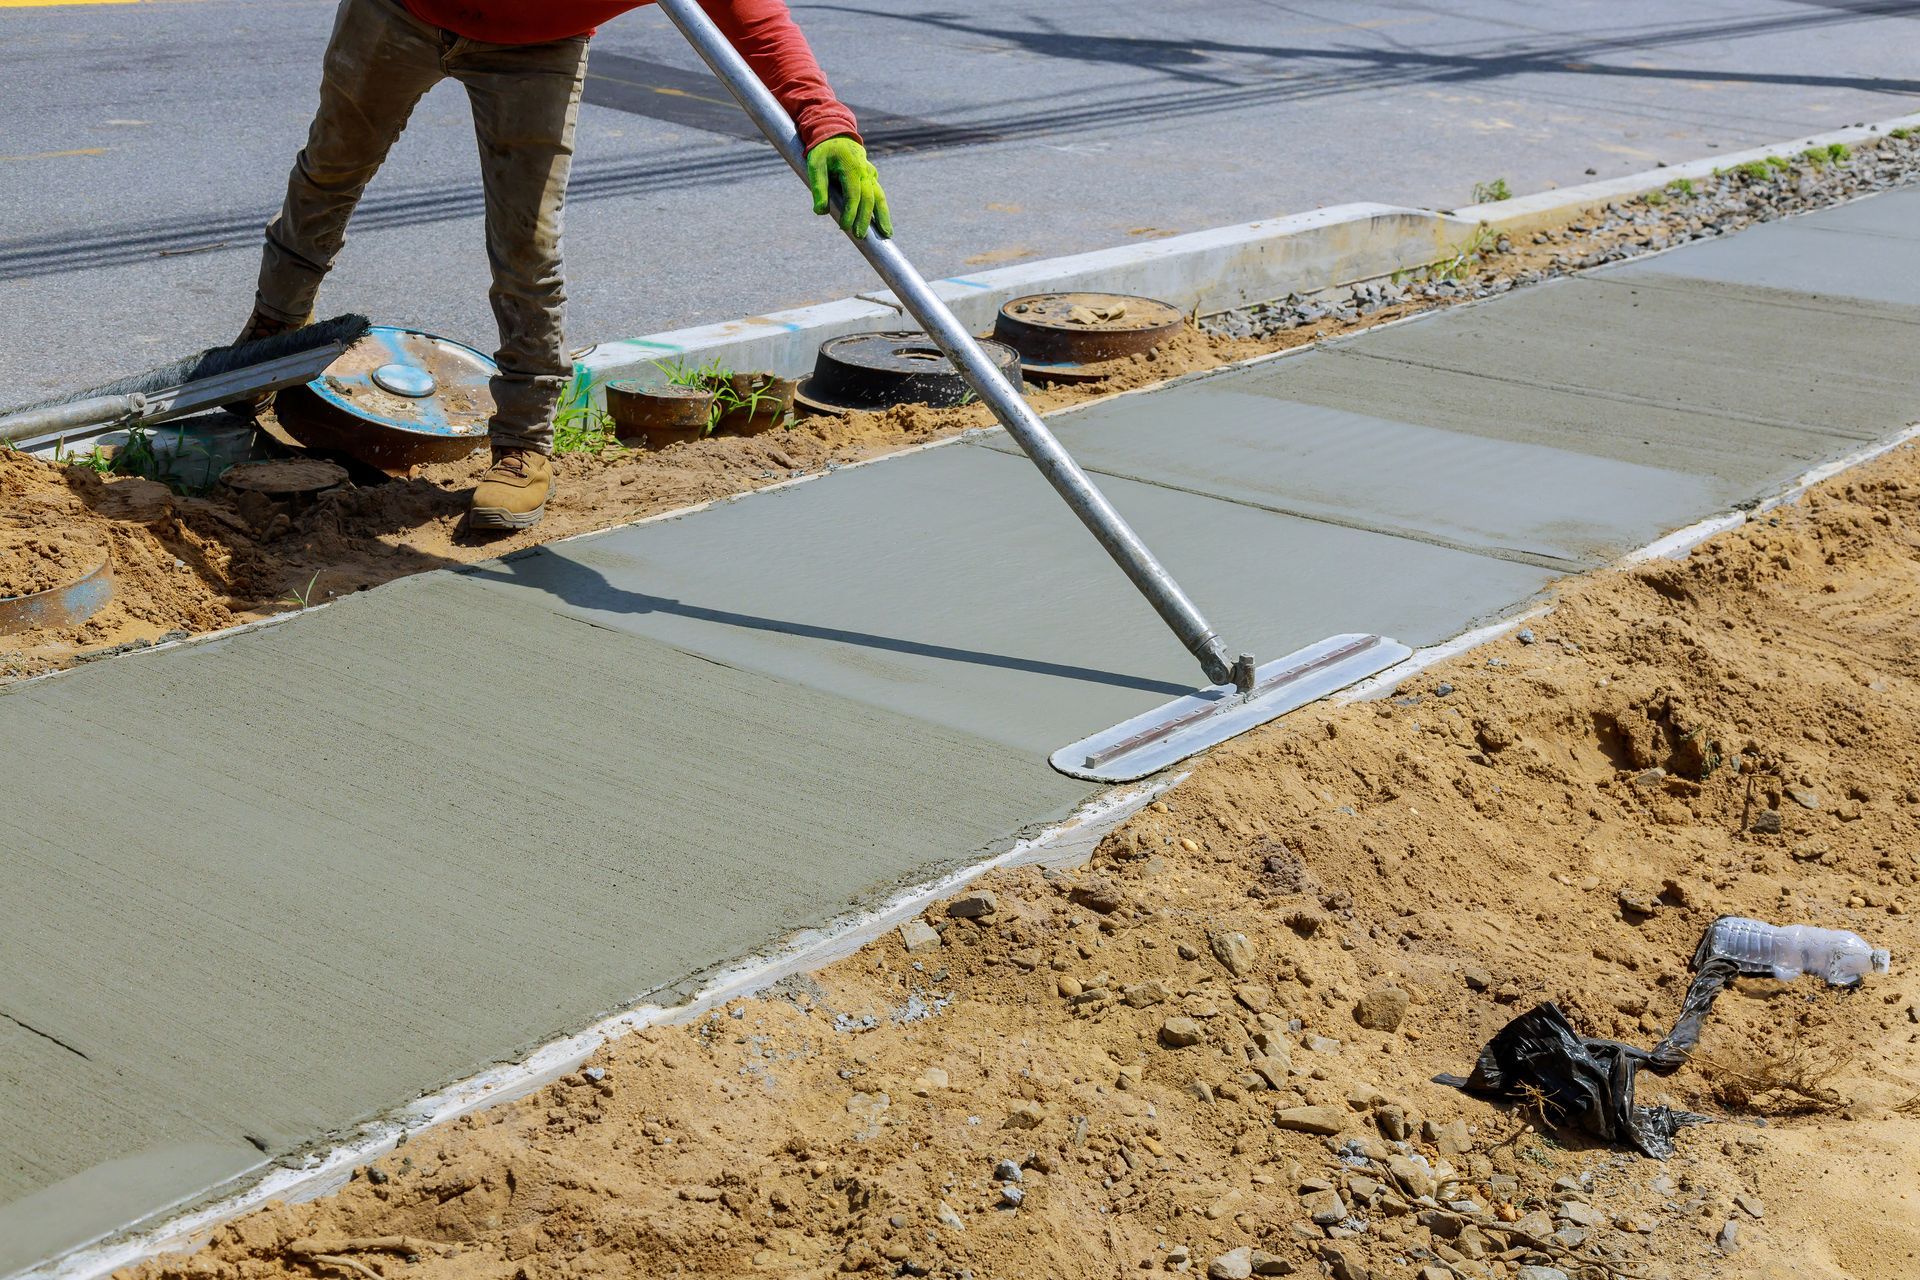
pixel 1021 422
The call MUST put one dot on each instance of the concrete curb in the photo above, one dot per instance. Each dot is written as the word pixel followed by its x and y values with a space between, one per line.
pixel 1205 271
pixel 1547 208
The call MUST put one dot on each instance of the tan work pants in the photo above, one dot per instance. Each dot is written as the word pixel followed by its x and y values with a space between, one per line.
pixel 526 99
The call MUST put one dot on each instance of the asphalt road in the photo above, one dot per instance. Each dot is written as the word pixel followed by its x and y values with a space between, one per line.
pixel 142 145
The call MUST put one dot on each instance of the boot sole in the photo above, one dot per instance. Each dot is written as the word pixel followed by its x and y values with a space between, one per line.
pixel 501 518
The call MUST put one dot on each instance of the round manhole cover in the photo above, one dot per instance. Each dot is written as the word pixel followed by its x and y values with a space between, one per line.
pixel 879 370
pixel 1057 333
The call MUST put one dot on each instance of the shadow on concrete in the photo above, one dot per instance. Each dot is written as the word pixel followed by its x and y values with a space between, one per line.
pixel 584 587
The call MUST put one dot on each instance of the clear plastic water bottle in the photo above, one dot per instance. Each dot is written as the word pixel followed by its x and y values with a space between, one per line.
pixel 1787 951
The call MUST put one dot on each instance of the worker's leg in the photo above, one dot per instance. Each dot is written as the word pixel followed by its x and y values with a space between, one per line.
pixel 379 62
pixel 526 99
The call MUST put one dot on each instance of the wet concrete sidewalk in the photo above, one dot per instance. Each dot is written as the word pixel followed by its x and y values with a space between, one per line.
pixel 260 889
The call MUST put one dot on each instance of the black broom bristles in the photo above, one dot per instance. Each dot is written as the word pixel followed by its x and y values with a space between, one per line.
pixel 218 360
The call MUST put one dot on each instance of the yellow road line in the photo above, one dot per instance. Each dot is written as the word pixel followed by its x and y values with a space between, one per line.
pixel 57 155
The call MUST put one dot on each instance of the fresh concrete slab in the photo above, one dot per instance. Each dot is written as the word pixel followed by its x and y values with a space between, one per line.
pixel 274 884
pixel 1749 458
pixel 955 587
pixel 1736 352
pixel 1235 436
pixel 1818 255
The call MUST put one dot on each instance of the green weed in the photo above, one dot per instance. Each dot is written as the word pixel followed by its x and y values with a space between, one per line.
pixel 302 597
pixel 1655 198
pixel 1900 134
pixel 717 378
pixel 583 429
pixel 1682 187
pixel 1489 192
pixel 1466 256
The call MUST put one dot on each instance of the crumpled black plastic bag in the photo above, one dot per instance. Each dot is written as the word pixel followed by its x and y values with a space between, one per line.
pixel 1588 1084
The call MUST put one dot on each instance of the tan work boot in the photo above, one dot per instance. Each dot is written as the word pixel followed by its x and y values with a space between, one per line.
pixel 260 325
pixel 513 492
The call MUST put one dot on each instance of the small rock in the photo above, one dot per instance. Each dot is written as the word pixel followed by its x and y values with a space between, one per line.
pixel 1006 1171
pixel 1382 1009
pixel 1102 896
pixel 1767 822
pixel 1649 777
pixel 1476 978
pixel 1580 1215
pixel 1321 1120
pixel 1539 1273
pixel 1414 1177
pixel 1178 1033
pixel 1270 1264
pixel 1325 1207
pixel 1025 1115
pixel 1453 1139
pixel 1535 1227
pixel 949 1217
pixel 1392 1119
pixel 1305 921
pixel 1234 951
pixel 595 1074
pixel 1187 951
pixel 1011 1196
pixel 931 1079
pixel 1804 798
pixel 1140 995
pixel 1729 1238
pixel 972 906
pixel 1069 986
pixel 918 936
pixel 1443 689
pixel 1635 904
pixel 1255 996
pixel 1751 1204
pixel 1179 1258
pixel 1237 1265
pixel 1319 1044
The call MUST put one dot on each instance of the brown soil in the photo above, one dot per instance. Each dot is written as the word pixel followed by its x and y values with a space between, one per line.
pixel 31 561
pixel 1480 850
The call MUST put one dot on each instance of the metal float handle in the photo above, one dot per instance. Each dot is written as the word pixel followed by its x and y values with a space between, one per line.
pixel 1021 422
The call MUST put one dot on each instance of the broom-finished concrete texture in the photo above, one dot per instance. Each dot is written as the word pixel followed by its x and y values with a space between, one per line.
pixel 275 883
pixel 263 888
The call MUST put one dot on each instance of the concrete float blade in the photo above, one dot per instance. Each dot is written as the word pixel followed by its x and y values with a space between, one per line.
pixel 1207 717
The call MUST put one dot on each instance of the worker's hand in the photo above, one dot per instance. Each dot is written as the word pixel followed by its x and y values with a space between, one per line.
pixel 843 160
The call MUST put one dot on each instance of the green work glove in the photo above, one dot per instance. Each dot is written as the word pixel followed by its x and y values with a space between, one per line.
pixel 842 159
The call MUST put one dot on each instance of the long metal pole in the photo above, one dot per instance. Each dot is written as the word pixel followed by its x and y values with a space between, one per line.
pixel 1055 463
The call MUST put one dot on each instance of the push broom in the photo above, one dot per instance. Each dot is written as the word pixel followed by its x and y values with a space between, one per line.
pixel 1240 694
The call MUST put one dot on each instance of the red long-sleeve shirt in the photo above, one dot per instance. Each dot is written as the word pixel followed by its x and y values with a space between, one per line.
pixel 762 30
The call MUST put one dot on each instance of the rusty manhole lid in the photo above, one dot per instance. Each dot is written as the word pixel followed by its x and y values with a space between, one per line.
pixel 64 604
pixel 879 370
pixel 284 477
pixel 396 398
pixel 1057 334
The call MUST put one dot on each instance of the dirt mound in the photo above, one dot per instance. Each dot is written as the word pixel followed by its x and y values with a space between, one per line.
pixel 1213 1049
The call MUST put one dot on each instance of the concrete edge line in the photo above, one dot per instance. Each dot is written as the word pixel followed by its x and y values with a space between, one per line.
pixel 1677 545
pixel 1064 843
pixel 1202 271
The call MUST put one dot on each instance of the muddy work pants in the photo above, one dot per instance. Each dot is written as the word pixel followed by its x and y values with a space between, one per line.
pixel 526 100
